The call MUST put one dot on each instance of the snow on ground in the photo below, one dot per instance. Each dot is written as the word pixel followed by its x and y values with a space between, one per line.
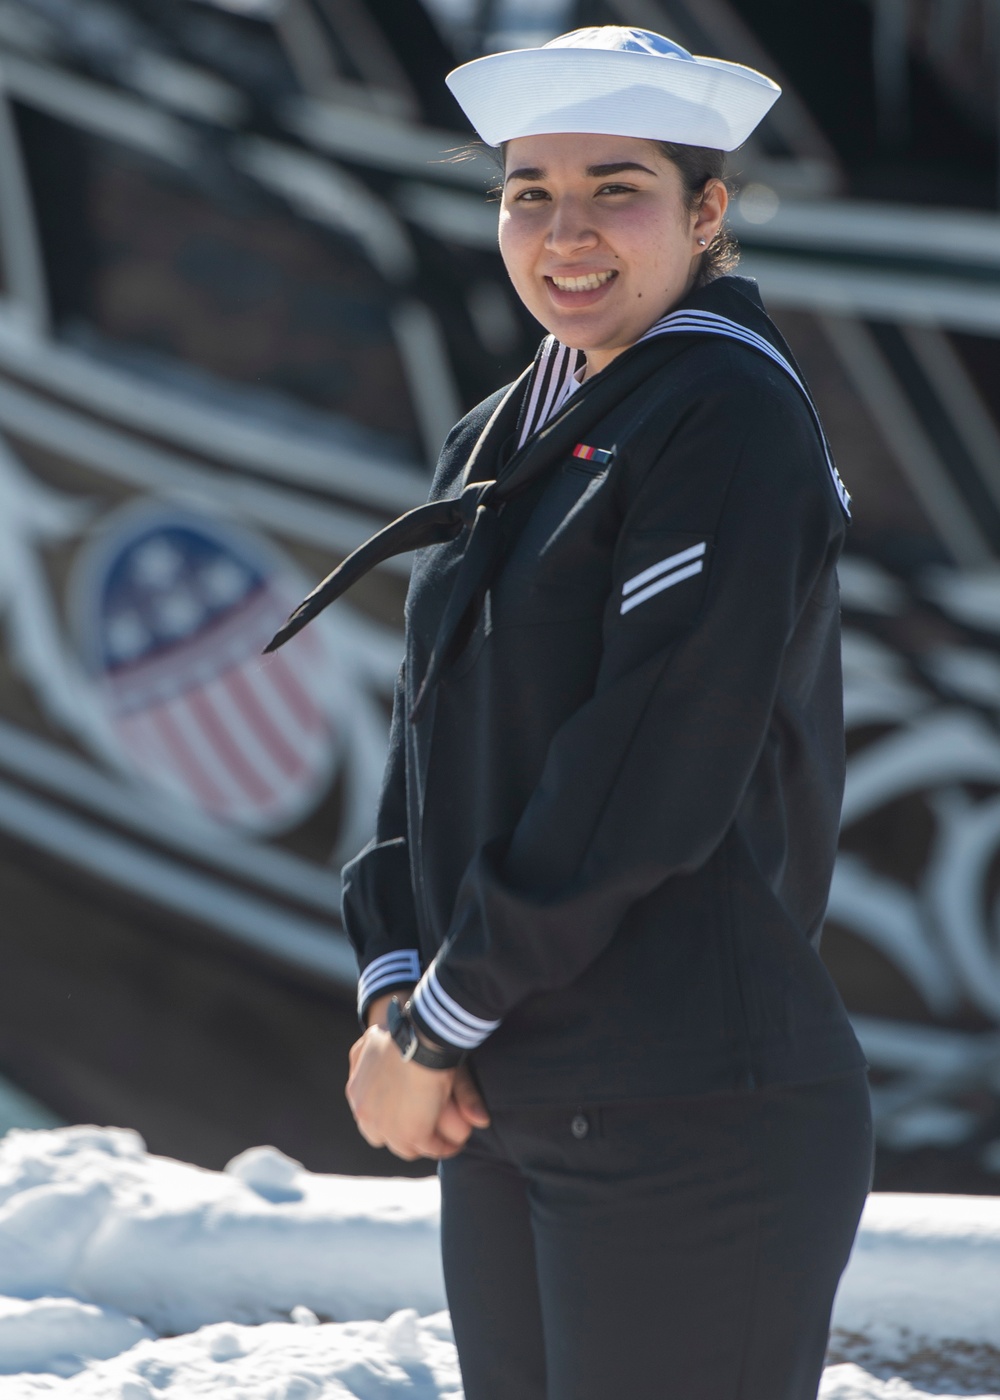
pixel 405 1356
pixel 922 1292
pixel 88 1213
pixel 130 1277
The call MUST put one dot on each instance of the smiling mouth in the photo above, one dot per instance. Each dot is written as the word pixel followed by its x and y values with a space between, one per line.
pixel 588 283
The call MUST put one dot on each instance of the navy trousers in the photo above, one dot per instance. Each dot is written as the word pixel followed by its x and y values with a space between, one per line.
pixel 680 1249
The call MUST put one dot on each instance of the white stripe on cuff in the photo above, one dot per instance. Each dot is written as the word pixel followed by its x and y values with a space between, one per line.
pixel 445 1018
pixel 663 567
pixel 389 970
pixel 668 581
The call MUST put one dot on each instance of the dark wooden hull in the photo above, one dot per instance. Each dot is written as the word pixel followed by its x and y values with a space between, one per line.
pixel 188 314
pixel 115 1013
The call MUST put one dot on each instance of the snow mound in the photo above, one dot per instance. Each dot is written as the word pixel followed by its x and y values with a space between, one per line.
pixel 86 1212
pixel 57 1334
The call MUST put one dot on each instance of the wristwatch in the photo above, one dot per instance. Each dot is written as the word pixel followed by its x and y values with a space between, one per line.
pixel 411 1047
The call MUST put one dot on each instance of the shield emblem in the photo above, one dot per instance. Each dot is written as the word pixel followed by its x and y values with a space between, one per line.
pixel 173 610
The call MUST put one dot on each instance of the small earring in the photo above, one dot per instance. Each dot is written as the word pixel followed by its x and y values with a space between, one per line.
pixel 703 241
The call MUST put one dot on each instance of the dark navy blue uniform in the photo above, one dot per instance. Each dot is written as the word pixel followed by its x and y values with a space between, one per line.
pixel 609 838
pixel 606 844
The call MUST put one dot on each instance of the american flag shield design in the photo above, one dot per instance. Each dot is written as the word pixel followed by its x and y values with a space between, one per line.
pixel 173 611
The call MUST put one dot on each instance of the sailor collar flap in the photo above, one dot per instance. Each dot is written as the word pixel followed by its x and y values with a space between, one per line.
pixel 486 488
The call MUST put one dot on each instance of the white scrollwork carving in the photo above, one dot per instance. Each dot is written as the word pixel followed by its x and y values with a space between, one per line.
pixel 929 737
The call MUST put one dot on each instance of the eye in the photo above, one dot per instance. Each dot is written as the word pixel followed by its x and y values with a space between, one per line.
pixel 616 189
pixel 531 196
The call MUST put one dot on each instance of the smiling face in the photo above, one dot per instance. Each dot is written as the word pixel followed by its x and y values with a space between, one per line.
pixel 597 236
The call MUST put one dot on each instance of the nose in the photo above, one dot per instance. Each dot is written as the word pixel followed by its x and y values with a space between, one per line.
pixel 570 230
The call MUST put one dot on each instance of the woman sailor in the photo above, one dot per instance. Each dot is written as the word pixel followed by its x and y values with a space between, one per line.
pixel 609 817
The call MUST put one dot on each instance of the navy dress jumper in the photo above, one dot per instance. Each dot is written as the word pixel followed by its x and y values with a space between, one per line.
pixel 603 855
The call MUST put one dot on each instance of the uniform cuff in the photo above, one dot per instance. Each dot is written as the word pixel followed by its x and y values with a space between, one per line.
pixel 400 968
pixel 442 1019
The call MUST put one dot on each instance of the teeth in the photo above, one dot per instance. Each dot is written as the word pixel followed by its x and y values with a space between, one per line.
pixel 590 283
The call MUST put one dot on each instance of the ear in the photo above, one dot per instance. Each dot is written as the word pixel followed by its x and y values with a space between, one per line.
pixel 709 214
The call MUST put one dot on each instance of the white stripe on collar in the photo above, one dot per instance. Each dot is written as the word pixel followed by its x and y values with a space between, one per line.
pixel 550 387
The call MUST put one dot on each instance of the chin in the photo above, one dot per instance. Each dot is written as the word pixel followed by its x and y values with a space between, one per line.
pixel 573 330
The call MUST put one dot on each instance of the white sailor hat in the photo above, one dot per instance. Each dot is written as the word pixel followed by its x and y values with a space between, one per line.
pixel 613 81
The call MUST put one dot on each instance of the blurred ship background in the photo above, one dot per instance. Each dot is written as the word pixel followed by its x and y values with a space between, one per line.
pixel 247 283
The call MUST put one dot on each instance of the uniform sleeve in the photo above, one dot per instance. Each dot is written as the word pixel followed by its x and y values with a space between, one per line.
pixel 377 902
pixel 378 909
pixel 644 780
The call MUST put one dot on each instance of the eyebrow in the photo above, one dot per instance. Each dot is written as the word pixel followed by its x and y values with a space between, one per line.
pixel 597 172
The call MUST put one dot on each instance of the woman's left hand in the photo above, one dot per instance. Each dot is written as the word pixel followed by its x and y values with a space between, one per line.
pixel 399 1104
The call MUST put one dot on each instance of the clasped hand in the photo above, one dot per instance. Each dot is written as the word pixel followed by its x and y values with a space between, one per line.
pixel 413 1111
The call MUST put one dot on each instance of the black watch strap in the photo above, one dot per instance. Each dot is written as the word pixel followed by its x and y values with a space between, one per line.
pixel 411 1047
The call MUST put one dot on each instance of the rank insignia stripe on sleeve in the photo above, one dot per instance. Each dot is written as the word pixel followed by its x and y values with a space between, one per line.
pixel 662 575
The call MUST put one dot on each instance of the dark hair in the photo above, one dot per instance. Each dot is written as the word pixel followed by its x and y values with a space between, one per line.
pixel 698 165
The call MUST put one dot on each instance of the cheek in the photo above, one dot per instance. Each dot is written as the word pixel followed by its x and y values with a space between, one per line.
pixel 516 248
pixel 667 259
pixel 648 239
